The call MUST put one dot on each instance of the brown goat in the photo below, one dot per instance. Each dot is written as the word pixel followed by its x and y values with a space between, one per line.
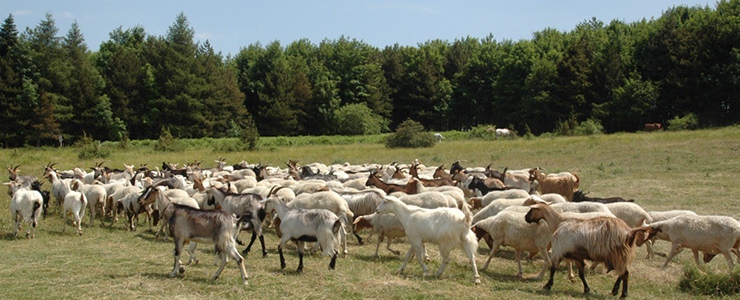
pixel 564 183
pixel 188 224
pixel 607 240
pixel 374 180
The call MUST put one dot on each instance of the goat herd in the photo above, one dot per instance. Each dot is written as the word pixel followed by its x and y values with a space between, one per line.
pixel 316 203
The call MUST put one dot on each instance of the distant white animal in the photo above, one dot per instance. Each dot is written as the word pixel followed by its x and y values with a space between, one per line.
pixel 439 137
pixel 504 132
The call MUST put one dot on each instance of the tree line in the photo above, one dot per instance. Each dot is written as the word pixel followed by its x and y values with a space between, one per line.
pixel 136 85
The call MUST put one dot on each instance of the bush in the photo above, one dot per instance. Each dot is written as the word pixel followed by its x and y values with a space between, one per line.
pixel 167 142
pixel 483 132
pixel 589 127
pixel 572 127
pixel 410 134
pixel 358 119
pixel 687 122
pixel 700 283
pixel 90 148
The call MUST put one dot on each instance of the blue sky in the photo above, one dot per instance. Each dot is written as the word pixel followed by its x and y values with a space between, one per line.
pixel 231 25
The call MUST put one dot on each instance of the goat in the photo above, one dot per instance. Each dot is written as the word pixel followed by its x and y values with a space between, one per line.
pixel 75 203
pixel 46 195
pixel 25 205
pixel 580 196
pixel 711 234
pixel 245 206
pixel 385 225
pixel 374 180
pixel 447 227
pixel 24 180
pixel 414 172
pixel 60 187
pixel 607 240
pixel 504 132
pixel 187 224
pixel 306 225
pixel 564 183
pixel 487 185
pixel 649 127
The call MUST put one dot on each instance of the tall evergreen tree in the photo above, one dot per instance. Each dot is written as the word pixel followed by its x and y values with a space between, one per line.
pixel 51 79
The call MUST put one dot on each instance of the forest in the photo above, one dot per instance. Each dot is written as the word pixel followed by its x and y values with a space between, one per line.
pixel 137 85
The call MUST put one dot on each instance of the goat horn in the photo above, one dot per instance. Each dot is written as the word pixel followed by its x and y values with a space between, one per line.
pixel 16 167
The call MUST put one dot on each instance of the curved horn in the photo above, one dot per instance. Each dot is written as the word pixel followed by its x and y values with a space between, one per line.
pixel 16 167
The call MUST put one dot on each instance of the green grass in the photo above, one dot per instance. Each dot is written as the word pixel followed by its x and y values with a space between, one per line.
pixel 694 170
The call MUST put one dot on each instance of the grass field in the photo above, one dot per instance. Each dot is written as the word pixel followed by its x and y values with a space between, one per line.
pixel 694 170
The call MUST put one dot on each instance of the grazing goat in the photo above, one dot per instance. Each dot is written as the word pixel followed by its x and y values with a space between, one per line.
pixel 580 196
pixel 486 185
pixel 447 227
pixel 187 224
pixel 649 127
pixel 606 240
pixel 306 225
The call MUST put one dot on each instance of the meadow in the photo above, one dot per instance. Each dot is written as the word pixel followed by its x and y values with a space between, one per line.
pixel 694 170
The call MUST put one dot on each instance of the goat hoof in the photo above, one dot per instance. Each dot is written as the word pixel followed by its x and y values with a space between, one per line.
pixel 181 270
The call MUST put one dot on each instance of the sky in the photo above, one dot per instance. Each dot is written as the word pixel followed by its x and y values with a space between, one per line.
pixel 231 25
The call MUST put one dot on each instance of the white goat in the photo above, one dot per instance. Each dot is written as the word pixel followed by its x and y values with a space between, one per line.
pixel 447 227
pixel 26 205
pixel 302 225
pixel 385 225
pixel 96 196
pixel 710 234
pixel 509 228
pixel 74 203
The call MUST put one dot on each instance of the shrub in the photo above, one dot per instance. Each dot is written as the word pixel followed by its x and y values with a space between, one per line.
pixel 689 121
pixel 483 132
pixel 167 142
pixel 589 127
pixel 571 127
pixel 249 136
pixel 358 119
pixel 700 283
pixel 90 148
pixel 410 134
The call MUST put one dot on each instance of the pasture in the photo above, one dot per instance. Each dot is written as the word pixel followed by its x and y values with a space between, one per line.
pixel 694 170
